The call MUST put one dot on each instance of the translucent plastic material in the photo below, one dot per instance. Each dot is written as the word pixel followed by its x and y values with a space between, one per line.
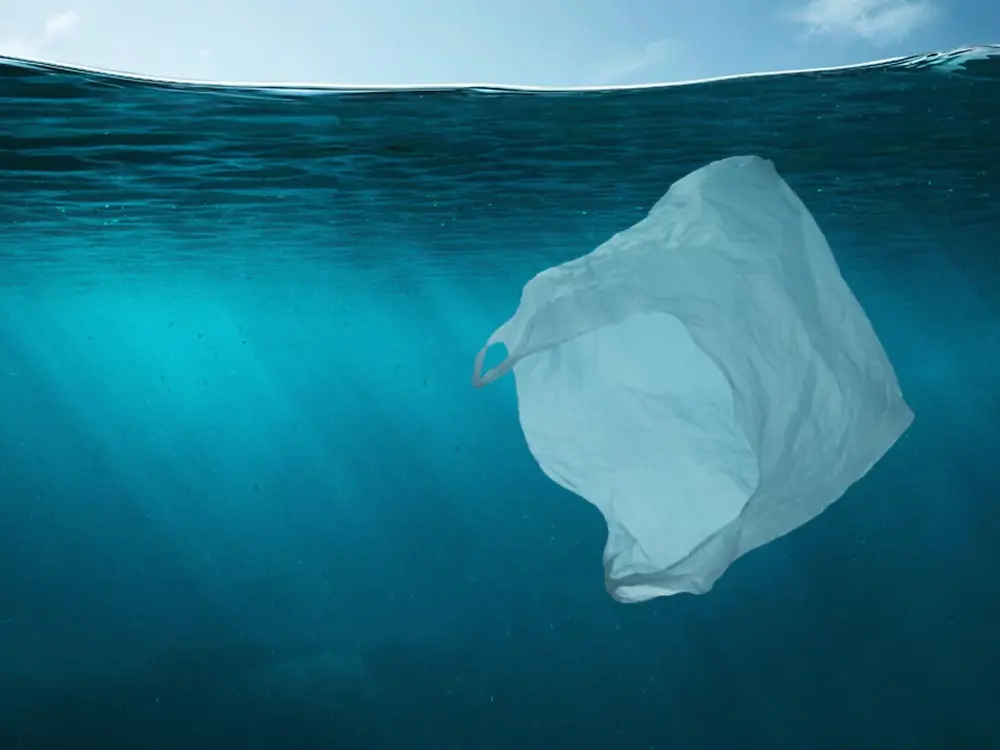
pixel 705 378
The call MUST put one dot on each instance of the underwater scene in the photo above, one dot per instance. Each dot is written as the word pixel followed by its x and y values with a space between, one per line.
pixel 250 497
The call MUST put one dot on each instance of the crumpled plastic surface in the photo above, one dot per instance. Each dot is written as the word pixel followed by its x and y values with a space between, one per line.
pixel 705 378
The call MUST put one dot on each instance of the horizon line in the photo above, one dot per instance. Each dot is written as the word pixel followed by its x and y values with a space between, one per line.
pixel 949 58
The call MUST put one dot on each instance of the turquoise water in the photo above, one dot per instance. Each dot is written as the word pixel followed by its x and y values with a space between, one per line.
pixel 248 497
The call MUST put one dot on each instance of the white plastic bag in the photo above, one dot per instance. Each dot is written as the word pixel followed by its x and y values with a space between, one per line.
pixel 705 378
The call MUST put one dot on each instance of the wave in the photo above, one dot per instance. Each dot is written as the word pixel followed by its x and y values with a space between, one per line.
pixel 952 61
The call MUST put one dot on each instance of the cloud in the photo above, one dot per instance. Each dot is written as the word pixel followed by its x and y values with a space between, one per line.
pixel 657 52
pixel 37 43
pixel 879 21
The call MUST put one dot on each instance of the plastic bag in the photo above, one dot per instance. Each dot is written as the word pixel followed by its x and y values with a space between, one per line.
pixel 705 378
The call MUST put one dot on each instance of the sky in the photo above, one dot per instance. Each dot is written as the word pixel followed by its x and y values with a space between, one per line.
pixel 514 42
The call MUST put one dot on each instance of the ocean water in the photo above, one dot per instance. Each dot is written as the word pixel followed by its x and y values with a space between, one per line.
pixel 249 499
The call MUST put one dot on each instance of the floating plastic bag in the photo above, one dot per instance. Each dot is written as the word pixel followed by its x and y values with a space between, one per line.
pixel 705 378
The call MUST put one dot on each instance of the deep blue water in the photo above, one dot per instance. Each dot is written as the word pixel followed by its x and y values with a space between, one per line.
pixel 249 499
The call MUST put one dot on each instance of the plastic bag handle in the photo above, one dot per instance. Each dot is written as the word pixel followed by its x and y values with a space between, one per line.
pixel 479 378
